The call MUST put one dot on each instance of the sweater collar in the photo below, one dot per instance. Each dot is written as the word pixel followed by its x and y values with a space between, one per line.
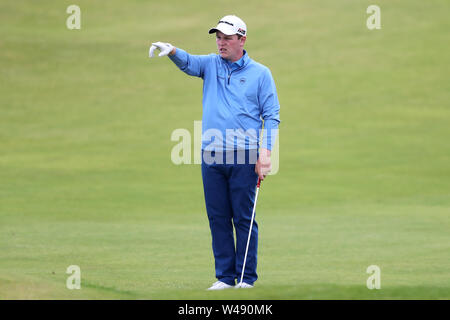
pixel 240 63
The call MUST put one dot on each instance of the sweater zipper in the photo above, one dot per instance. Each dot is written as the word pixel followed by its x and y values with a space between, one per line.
pixel 229 74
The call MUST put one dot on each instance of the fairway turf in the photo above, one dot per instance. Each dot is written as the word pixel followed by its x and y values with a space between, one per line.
pixel 86 176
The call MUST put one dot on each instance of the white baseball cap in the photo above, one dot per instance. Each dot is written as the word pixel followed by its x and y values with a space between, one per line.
pixel 230 25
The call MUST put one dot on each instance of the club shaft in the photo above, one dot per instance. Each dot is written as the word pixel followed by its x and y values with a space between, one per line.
pixel 250 231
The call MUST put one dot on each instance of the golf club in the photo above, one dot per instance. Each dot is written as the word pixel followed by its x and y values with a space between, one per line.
pixel 249 233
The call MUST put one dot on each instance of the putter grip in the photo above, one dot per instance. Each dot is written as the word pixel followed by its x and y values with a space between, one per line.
pixel 259 183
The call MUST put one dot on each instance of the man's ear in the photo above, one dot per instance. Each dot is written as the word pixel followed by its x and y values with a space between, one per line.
pixel 243 39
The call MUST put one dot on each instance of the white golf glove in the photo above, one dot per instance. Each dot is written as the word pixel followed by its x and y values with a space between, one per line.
pixel 165 49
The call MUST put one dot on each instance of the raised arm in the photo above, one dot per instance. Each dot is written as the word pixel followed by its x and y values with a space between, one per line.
pixel 193 65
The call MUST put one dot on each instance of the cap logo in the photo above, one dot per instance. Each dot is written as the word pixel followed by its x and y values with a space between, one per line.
pixel 221 21
pixel 241 31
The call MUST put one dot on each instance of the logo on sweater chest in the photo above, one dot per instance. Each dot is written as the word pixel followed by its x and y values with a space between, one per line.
pixel 242 80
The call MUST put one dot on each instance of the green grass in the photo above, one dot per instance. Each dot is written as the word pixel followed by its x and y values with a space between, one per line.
pixel 86 177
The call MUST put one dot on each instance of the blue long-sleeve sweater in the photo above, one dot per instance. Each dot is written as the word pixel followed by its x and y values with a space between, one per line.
pixel 237 97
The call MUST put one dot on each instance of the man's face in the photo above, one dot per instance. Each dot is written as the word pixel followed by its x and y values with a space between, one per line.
pixel 230 47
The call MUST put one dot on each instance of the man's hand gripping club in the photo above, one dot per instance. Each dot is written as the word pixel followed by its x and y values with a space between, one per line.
pixel 264 164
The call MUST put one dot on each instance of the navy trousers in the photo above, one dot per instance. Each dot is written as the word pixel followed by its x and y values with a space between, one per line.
pixel 229 190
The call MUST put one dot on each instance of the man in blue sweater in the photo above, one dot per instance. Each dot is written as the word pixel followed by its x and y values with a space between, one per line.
pixel 239 96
